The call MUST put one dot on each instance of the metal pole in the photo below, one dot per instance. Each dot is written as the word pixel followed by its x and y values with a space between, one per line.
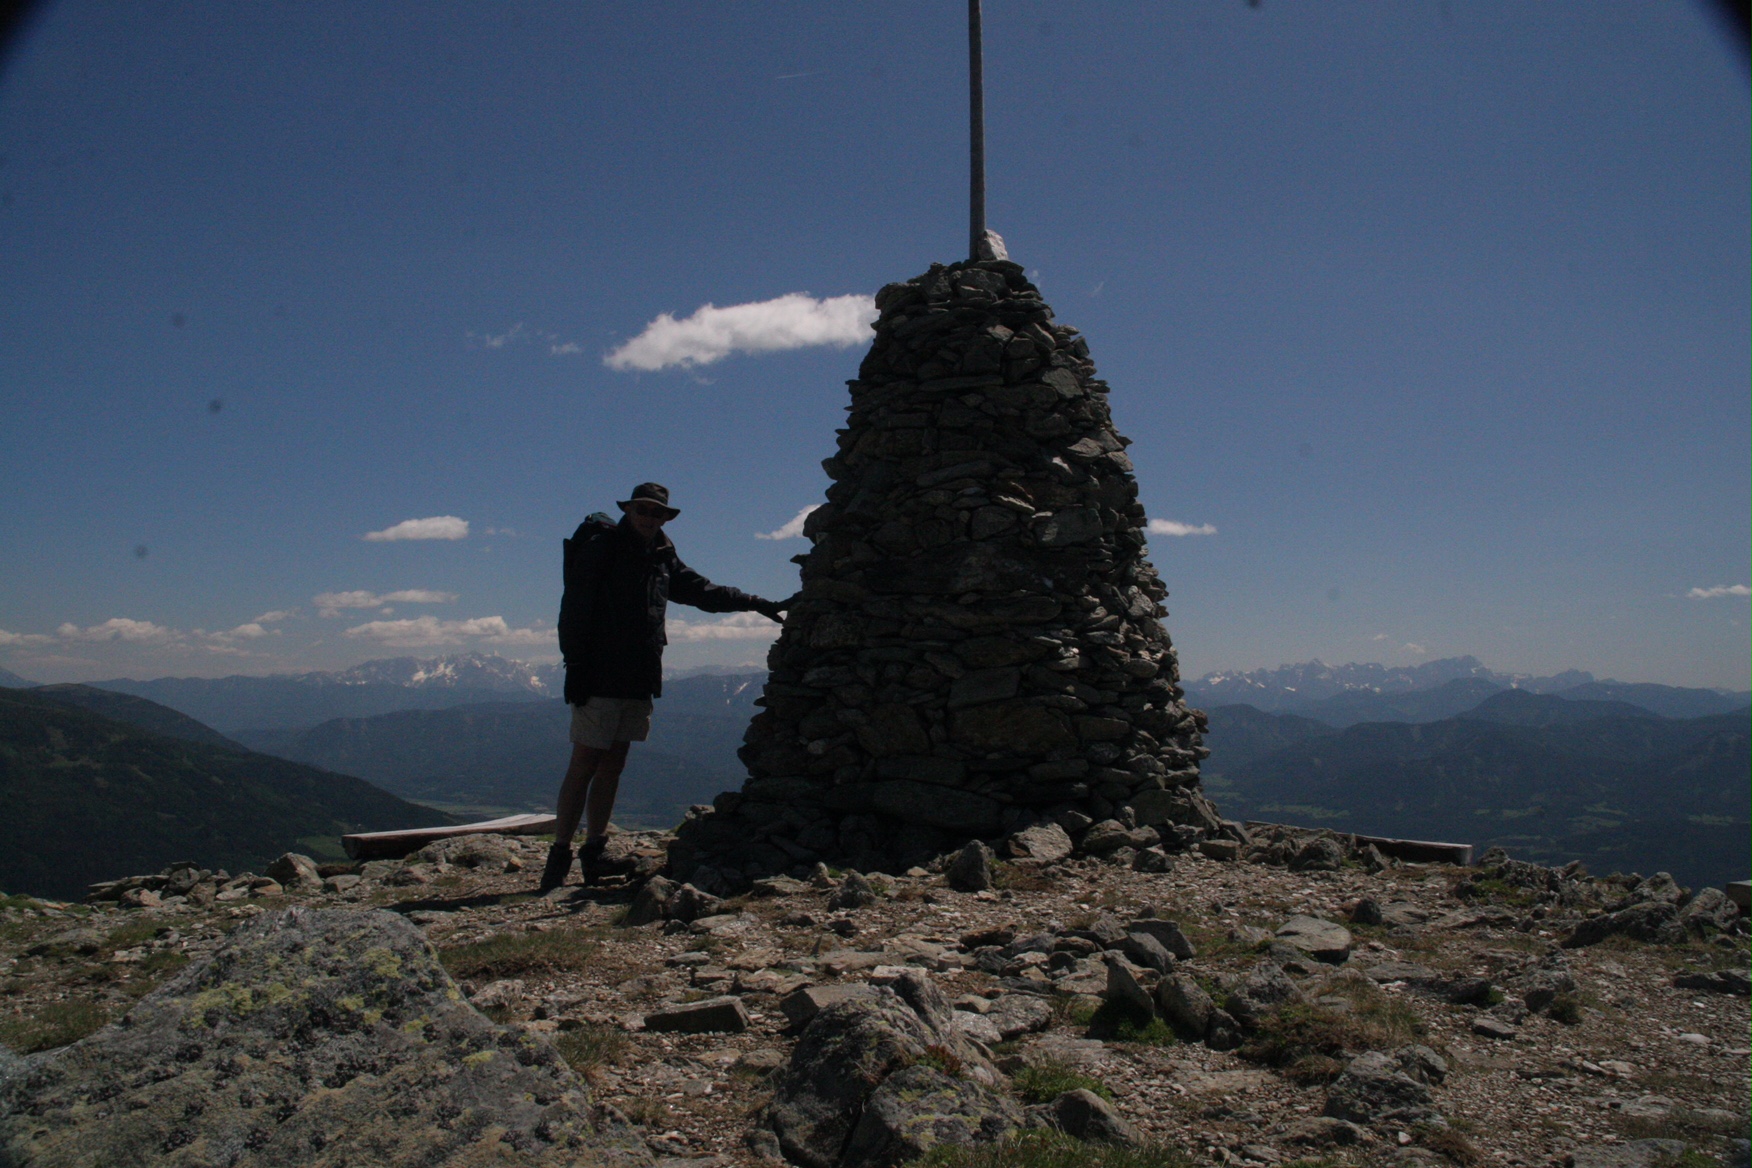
pixel 976 131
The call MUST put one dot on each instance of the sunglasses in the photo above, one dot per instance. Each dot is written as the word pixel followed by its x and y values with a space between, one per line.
pixel 647 511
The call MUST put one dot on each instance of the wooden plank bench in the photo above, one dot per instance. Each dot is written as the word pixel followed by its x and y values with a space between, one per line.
pixel 392 845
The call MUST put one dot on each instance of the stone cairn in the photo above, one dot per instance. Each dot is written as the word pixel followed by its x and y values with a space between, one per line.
pixel 977 647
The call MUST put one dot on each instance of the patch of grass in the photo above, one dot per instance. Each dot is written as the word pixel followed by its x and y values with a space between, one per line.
pixel 1295 1031
pixel 1155 1032
pixel 644 1111
pixel 1079 1010
pixel 1447 1142
pixel 163 963
pixel 1692 1158
pixel 1565 1008
pixel 1038 1149
pixel 54 1024
pixel 589 1047
pixel 1313 1069
pixel 556 951
pixel 1045 1081
pixel 1682 1123
pixel 941 1058
pixel 1316 1162
pixel 126 936
pixel 1112 1016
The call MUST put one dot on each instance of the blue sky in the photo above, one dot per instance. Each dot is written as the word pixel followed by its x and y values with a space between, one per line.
pixel 1436 312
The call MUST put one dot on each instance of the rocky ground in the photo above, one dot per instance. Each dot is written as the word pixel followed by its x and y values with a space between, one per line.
pixel 1228 1007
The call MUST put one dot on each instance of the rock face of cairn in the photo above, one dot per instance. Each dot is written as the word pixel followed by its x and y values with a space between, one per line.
pixel 977 646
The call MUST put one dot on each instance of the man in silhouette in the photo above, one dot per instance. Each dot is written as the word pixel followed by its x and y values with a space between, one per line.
pixel 620 578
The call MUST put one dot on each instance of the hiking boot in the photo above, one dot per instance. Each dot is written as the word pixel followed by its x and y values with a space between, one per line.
pixel 590 855
pixel 558 867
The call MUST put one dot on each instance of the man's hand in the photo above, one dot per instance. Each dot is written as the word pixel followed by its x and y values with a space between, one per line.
pixel 773 610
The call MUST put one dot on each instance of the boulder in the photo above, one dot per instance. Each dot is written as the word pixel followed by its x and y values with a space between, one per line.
pixel 1166 934
pixel 1045 843
pixel 1321 939
pixel 849 1050
pixel 803 1005
pixel 971 870
pixel 291 870
pixel 1655 921
pixel 919 1107
pixel 853 892
pixel 691 904
pixel 1123 987
pixel 1318 855
pixel 1185 1006
pixel 1374 1090
pixel 1266 987
pixel 1086 1116
pixel 651 903
pixel 1146 951
pixel 724 1015
pixel 311 1037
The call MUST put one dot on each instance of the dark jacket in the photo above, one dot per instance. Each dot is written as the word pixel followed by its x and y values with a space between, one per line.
pixel 618 590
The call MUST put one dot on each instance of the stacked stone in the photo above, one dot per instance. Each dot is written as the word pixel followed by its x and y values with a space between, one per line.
pixel 977 645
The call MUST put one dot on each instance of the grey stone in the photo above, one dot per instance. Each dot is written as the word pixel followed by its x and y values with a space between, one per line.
pixel 651 902
pixel 291 870
pixel 1721 981
pixel 1322 940
pixel 1152 859
pixel 1145 950
pixel 971 870
pixel 725 1015
pixel 1123 987
pixel 1709 909
pixel 802 1005
pixel 1106 836
pixel 691 904
pixel 1166 934
pixel 1266 987
pixel 1046 842
pixel 919 1108
pixel 1487 1027
pixel 1655 921
pixel 853 892
pixel 1220 849
pixel 1318 855
pixel 1185 1006
pixel 1086 1116
pixel 1322 1131
pixel 1018 1014
pixel 1634 1154
pixel 1541 987
pixel 1373 1090
pixel 1422 1064
pixel 326 1037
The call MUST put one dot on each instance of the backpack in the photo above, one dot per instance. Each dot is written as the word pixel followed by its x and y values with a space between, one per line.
pixel 596 526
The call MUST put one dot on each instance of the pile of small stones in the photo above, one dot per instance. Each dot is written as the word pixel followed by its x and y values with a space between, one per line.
pixel 977 644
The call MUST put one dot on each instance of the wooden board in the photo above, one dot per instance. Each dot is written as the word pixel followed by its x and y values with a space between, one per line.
pixel 1740 892
pixel 390 845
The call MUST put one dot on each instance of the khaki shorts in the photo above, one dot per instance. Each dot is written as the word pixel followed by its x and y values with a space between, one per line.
pixel 601 722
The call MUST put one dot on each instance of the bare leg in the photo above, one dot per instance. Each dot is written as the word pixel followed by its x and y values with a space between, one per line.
pixel 584 764
pixel 604 786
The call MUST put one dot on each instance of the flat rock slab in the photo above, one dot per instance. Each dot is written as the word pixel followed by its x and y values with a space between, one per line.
pixel 805 1004
pixel 724 1015
pixel 312 1037
pixel 1322 940
pixel 1636 1154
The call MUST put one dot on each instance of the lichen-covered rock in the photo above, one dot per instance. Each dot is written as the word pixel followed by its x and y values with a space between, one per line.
pixel 1374 1090
pixel 313 1037
pixel 920 1107
pixel 849 1049
pixel 1321 939
pixel 1655 921
pixel 1087 1116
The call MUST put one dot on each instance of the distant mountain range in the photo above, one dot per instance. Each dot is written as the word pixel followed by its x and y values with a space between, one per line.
pixel 298 701
pixel 1548 777
pixel 11 680
pixel 89 797
pixel 1342 695
pixel 511 755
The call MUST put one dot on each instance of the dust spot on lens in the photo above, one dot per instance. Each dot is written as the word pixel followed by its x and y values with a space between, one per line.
pixel 215 405
pixel 140 551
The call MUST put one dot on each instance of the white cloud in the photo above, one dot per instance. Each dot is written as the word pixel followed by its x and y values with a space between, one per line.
pixel 268 618
pixel 568 349
pixel 515 333
pixel 1719 591
pixel 793 321
pixel 428 632
pixel 792 529
pixel 120 628
pixel 1170 527
pixel 331 603
pixel 738 626
pixel 245 632
pixel 436 527
pixel 7 638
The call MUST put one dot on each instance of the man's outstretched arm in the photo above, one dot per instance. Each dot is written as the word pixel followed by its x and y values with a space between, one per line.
pixel 687 586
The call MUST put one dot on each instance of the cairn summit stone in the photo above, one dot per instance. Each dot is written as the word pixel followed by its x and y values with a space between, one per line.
pixel 314 1038
pixel 978 642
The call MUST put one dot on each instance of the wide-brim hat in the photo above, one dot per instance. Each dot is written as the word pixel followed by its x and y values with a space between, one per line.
pixel 651 493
